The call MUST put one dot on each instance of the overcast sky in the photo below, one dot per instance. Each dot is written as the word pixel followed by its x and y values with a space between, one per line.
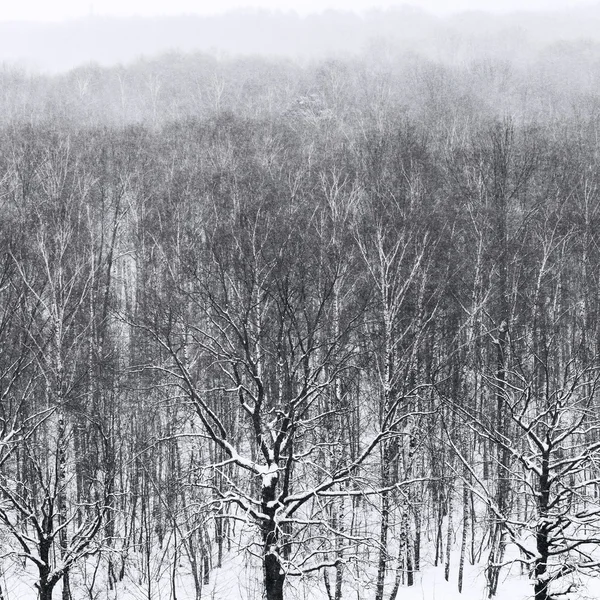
pixel 56 10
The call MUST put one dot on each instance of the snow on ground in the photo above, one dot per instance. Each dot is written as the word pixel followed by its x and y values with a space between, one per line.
pixel 237 581
pixel 240 579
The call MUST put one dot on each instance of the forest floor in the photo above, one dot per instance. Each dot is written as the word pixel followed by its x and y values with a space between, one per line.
pixel 238 579
pixel 226 584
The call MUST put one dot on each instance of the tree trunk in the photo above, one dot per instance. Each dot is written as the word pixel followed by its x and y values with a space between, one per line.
pixel 327 584
pixel 45 591
pixel 274 576
pixel 497 549
pixel 66 590
pixel 542 534
pixel 449 534
pixel 463 542
pixel 383 534
pixel 541 565
pixel 410 579
pixel 44 586
pixel 417 541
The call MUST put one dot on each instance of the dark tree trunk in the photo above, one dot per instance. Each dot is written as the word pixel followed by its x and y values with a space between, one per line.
pixel 541 582
pixel 390 453
pixel 542 534
pixel 44 586
pixel 274 576
pixel 66 591
pixel 45 591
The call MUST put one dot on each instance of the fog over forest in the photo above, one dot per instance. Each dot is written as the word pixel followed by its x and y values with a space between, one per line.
pixel 454 39
pixel 301 308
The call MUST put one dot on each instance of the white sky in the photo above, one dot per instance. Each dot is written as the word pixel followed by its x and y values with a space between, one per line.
pixel 56 10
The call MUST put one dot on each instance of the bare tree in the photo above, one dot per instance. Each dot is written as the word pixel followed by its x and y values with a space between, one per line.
pixel 52 524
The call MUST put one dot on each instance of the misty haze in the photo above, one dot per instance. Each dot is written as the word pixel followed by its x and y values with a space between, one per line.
pixel 461 37
pixel 300 307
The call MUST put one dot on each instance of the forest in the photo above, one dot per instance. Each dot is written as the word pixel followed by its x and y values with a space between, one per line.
pixel 279 329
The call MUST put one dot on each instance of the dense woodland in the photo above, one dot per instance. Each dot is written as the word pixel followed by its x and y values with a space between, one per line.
pixel 338 320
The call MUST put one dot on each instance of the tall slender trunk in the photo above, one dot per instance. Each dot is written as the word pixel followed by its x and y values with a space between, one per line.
pixel 449 535
pixel 502 147
pixel 498 546
pixel 327 584
pixel 498 538
pixel 389 452
pixel 417 540
pixel 61 500
pixel 339 567
pixel 383 534
pixel 465 529
pixel 398 580
pixel 407 548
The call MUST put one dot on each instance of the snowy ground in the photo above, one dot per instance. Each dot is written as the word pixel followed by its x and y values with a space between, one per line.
pixel 239 580
pixel 234 582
